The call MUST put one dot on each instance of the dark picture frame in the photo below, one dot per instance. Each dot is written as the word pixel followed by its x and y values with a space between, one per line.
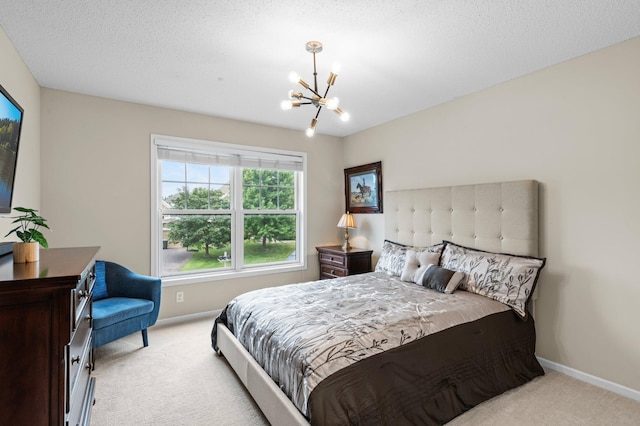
pixel 363 188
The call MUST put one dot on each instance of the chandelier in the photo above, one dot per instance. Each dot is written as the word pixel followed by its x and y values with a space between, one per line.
pixel 314 98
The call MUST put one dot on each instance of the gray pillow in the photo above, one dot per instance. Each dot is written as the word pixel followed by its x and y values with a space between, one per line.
pixel 441 279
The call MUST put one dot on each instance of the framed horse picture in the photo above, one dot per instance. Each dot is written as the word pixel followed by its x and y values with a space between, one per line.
pixel 363 188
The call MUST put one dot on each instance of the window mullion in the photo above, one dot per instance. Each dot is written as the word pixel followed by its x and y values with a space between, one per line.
pixel 298 205
pixel 238 223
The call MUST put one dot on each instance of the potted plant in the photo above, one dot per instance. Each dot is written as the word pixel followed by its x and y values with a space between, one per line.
pixel 28 231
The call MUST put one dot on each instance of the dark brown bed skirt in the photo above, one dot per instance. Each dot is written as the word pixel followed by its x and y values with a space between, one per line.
pixel 432 380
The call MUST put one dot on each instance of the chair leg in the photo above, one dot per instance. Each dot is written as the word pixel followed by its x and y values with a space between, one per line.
pixel 145 338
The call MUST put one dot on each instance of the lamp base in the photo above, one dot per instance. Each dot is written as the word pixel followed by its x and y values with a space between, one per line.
pixel 346 246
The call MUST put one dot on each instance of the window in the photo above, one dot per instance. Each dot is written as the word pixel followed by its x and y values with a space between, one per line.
pixel 221 210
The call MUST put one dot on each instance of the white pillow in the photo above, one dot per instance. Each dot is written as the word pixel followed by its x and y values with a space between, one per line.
pixel 416 264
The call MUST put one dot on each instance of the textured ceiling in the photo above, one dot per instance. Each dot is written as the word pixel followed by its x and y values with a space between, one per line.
pixel 232 58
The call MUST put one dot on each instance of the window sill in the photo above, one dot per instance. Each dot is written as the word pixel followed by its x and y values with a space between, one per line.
pixel 229 274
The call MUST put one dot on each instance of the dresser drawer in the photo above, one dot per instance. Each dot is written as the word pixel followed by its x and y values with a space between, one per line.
pixel 78 356
pixel 82 395
pixel 332 259
pixel 81 295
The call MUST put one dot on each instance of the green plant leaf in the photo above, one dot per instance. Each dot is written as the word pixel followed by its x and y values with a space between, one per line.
pixel 25 237
pixel 24 210
pixel 12 231
pixel 39 238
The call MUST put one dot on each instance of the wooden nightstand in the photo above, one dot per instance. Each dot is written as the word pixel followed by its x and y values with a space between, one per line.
pixel 336 262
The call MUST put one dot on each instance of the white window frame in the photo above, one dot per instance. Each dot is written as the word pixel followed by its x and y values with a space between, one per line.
pixel 237 218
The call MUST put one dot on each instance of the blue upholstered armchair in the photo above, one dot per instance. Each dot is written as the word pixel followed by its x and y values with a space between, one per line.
pixel 123 302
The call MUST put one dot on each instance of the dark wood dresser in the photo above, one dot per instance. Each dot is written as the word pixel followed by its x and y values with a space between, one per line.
pixel 336 262
pixel 45 338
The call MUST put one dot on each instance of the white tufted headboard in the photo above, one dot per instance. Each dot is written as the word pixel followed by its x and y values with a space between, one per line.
pixel 499 217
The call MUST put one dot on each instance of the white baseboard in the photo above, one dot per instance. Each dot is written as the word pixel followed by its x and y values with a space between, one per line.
pixel 190 317
pixel 597 381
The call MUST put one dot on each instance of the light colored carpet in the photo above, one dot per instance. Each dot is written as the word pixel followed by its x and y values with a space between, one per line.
pixel 179 380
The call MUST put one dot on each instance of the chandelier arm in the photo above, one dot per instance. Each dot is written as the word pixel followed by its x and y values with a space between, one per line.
pixel 326 91
pixel 315 92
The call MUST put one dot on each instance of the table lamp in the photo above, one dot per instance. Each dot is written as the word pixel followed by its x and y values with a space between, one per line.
pixel 346 221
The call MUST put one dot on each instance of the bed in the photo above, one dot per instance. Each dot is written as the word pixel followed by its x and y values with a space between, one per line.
pixel 441 325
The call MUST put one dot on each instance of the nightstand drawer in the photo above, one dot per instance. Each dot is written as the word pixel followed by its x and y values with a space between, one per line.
pixel 332 259
pixel 332 271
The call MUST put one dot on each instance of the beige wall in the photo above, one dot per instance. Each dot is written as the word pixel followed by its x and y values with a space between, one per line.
pixel 96 184
pixel 16 78
pixel 574 127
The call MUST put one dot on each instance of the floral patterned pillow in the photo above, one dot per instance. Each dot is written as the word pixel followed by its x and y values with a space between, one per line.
pixel 509 279
pixel 393 256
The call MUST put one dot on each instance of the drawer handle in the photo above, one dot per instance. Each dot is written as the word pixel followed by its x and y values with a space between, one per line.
pixel 75 359
pixel 87 366
pixel 87 318
pixel 81 294
pixel 332 272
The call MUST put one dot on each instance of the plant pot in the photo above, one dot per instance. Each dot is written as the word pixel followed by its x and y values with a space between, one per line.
pixel 26 252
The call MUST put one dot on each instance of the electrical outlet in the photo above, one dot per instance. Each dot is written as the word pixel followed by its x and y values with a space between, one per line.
pixel 180 297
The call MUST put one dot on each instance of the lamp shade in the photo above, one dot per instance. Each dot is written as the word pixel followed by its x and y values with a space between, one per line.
pixel 347 221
